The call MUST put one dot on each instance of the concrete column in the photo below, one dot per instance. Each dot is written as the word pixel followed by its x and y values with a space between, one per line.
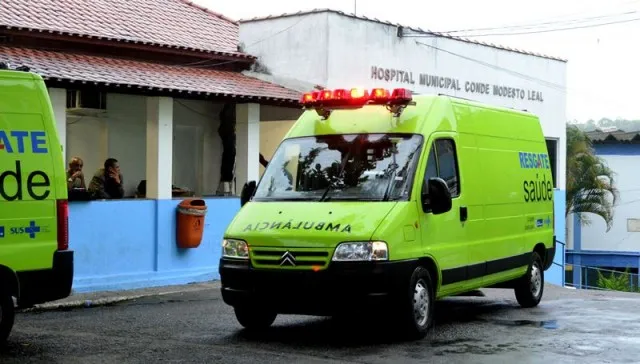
pixel 58 98
pixel 159 147
pixel 247 144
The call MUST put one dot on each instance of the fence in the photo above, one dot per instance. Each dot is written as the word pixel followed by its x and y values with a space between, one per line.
pixel 605 279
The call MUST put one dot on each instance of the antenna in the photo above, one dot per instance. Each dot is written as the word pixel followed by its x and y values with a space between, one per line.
pixel 355 7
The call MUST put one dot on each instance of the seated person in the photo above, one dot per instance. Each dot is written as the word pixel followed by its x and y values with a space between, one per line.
pixel 75 177
pixel 76 187
pixel 107 182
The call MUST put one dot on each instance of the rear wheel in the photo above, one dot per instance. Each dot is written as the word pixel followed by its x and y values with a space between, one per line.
pixel 254 318
pixel 530 287
pixel 417 304
pixel 7 316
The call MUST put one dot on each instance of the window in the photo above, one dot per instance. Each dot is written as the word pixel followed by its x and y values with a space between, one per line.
pixel 552 149
pixel 432 165
pixel 355 167
pixel 443 163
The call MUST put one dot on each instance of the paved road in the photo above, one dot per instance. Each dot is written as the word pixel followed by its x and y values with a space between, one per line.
pixel 196 327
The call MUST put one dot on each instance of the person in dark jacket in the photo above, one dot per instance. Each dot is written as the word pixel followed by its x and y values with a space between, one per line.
pixel 106 184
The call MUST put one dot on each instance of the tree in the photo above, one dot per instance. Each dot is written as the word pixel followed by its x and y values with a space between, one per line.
pixel 590 182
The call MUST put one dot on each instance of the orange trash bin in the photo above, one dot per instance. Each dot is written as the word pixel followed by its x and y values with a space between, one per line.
pixel 190 222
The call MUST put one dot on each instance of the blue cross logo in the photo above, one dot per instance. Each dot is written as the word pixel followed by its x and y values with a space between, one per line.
pixel 32 229
pixel 547 221
pixel 1 231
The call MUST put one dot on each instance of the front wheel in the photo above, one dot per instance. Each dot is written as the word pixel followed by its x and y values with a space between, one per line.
pixel 254 318
pixel 530 287
pixel 7 316
pixel 416 307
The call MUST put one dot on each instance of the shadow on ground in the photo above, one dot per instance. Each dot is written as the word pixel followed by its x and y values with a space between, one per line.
pixel 365 331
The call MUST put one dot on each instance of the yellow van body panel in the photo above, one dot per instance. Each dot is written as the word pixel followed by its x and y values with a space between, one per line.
pixel 495 161
pixel 32 181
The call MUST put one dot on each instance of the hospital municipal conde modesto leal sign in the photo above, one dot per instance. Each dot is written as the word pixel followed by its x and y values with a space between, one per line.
pixel 450 83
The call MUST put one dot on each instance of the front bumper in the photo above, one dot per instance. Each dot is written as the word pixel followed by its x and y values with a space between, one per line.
pixel 47 285
pixel 325 292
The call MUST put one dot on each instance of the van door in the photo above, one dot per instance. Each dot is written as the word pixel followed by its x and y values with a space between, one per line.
pixel 443 236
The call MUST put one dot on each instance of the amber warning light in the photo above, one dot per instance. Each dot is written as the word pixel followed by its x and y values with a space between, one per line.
pixel 356 97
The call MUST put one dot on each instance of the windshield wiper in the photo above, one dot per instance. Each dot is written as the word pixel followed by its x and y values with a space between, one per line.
pixel 331 185
pixel 391 181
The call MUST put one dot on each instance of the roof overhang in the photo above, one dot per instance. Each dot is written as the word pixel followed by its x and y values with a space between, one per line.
pixel 138 77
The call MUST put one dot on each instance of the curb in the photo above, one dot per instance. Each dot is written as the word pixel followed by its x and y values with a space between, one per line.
pixel 107 301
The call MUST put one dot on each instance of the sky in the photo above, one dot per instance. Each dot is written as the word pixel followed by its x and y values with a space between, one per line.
pixel 602 68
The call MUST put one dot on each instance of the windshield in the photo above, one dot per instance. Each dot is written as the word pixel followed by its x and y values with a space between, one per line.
pixel 371 167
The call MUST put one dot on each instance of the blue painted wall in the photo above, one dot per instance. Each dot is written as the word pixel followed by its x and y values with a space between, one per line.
pixel 603 258
pixel 555 274
pixel 130 244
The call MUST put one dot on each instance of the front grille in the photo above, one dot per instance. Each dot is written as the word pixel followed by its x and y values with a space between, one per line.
pixel 297 258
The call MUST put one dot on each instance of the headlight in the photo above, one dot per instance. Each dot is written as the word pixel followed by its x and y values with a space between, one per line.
pixel 232 248
pixel 361 251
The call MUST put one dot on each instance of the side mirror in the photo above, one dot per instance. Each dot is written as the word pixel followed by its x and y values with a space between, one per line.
pixel 438 200
pixel 247 192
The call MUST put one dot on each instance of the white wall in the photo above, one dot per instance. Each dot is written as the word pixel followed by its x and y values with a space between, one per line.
pixel 355 46
pixel 293 47
pixel 619 238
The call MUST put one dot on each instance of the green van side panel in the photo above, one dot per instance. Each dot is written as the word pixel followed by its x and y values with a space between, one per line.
pixel 25 106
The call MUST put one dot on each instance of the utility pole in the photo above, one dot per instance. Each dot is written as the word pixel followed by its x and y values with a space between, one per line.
pixel 355 7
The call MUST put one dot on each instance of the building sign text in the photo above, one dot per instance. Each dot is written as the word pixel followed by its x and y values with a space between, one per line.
pixel 450 83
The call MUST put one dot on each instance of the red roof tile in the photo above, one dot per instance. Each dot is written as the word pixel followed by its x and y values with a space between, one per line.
pixel 127 73
pixel 161 22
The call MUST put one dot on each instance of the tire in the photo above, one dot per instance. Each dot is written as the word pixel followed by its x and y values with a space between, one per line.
pixel 530 287
pixel 7 316
pixel 416 305
pixel 254 318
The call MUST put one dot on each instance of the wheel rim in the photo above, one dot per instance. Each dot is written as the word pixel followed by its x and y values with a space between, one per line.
pixel 536 280
pixel 421 303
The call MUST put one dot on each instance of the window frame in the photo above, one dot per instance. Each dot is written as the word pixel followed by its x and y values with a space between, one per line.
pixel 434 149
pixel 553 158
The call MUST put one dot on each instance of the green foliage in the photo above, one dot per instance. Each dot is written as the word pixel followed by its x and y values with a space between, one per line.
pixel 590 182
pixel 617 281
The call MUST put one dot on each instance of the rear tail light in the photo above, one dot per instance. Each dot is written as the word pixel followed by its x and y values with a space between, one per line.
pixel 62 209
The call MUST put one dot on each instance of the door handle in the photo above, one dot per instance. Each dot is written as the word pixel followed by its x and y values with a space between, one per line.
pixel 463 213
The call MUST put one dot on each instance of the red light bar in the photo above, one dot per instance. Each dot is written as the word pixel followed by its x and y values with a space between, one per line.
pixel 380 94
pixel 359 93
pixel 355 98
pixel 401 95
pixel 325 95
pixel 340 94
pixel 307 98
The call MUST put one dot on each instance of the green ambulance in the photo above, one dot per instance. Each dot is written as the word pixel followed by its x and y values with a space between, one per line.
pixel 380 203
pixel 36 265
